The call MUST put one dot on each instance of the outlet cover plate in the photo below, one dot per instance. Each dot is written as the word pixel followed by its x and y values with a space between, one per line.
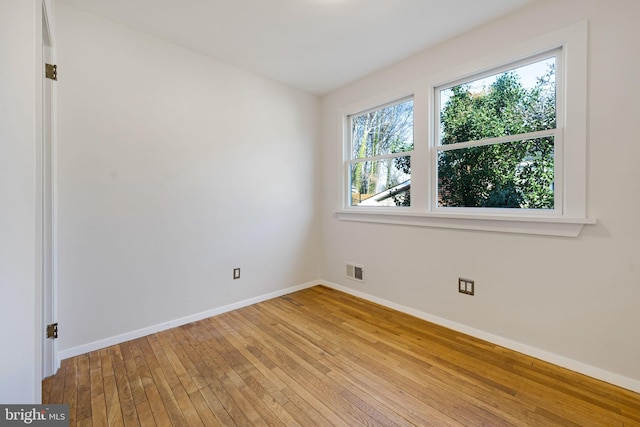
pixel 466 286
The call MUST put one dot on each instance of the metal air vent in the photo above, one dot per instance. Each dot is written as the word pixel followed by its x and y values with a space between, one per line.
pixel 355 272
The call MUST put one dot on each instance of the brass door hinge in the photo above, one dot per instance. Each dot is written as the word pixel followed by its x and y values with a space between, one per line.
pixel 52 331
pixel 51 71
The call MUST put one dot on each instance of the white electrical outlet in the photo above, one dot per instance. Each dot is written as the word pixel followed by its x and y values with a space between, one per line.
pixel 466 286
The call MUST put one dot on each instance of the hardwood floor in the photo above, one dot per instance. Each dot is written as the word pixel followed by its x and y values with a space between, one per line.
pixel 322 357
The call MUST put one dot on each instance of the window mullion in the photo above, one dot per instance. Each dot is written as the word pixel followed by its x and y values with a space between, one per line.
pixel 498 140
pixel 382 157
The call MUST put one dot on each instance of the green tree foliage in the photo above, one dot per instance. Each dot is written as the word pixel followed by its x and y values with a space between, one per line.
pixel 403 198
pixel 513 174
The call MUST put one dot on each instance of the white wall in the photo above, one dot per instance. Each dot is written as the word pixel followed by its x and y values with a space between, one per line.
pixel 574 298
pixel 19 357
pixel 174 169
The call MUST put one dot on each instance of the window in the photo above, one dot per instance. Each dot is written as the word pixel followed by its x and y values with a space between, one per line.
pixel 497 144
pixel 498 135
pixel 381 143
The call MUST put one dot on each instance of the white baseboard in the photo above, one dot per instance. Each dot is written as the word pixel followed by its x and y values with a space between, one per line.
pixel 107 342
pixel 574 365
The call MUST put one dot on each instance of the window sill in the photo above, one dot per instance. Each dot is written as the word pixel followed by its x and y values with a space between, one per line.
pixel 547 226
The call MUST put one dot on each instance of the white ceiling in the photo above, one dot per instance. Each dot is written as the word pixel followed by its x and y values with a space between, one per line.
pixel 314 45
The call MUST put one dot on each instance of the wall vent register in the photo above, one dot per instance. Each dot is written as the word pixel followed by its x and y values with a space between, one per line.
pixel 355 272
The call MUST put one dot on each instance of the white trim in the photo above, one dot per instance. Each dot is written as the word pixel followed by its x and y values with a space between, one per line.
pixel 556 359
pixel 534 224
pixel 381 157
pixel 499 140
pixel 348 140
pixel 49 13
pixel 50 8
pixel 38 208
pixel 345 114
pixel 569 46
pixel 569 214
pixel 117 339
pixel 574 365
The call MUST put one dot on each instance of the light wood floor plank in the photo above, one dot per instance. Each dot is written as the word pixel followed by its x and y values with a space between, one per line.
pixel 46 388
pixel 98 403
pixel 125 397
pixel 84 389
pixel 322 357
pixel 56 388
pixel 223 417
pixel 204 411
pixel 70 395
pixel 160 387
pixel 231 398
pixel 230 363
pixel 294 391
pixel 432 372
pixel 423 390
pixel 158 409
pixel 288 333
pixel 114 411
pixel 133 373
pixel 308 374
pixel 176 363
pixel 260 386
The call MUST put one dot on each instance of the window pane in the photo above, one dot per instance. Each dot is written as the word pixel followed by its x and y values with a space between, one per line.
pixel 383 131
pixel 517 101
pixel 518 174
pixel 381 182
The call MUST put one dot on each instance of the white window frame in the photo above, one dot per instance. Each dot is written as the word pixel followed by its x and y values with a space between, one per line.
pixel 571 159
pixel 557 134
pixel 349 160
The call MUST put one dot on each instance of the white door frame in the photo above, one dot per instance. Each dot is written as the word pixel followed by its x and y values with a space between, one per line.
pixel 50 361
